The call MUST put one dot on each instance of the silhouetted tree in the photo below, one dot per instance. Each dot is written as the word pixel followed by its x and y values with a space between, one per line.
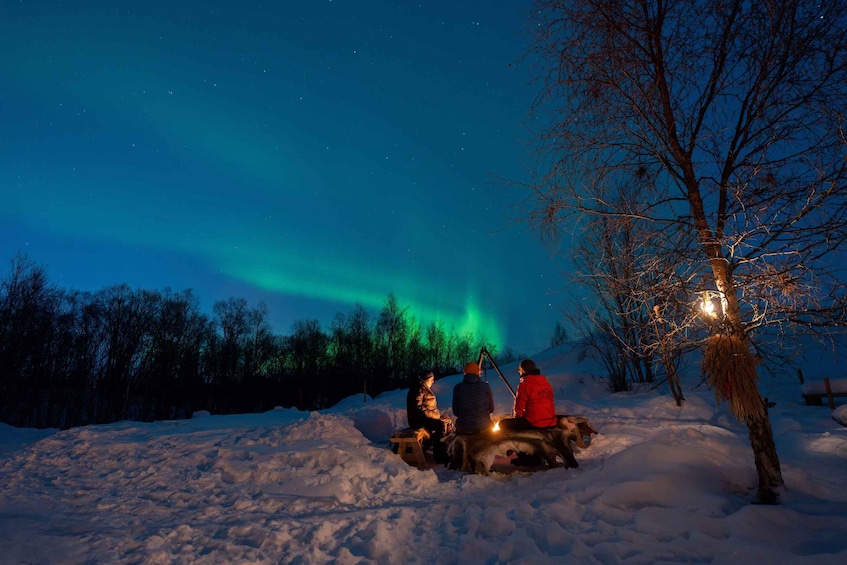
pixel 307 349
pixel 437 352
pixel 390 342
pixel 79 357
pixel 27 309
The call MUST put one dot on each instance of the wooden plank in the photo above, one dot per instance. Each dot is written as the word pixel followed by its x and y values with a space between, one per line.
pixel 421 434
pixel 829 393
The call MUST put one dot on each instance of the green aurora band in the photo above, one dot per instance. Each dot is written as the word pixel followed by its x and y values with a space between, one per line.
pixel 235 143
pixel 334 281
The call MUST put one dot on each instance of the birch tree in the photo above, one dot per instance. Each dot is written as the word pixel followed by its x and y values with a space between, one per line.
pixel 735 112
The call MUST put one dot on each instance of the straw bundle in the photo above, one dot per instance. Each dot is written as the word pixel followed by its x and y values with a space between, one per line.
pixel 730 368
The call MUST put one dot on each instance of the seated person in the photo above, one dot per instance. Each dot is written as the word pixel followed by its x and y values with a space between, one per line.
pixel 422 412
pixel 473 402
pixel 534 407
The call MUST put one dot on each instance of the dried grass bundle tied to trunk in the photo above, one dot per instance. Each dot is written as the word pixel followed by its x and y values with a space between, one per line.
pixel 730 368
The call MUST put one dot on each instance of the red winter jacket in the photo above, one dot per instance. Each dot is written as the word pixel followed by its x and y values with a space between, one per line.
pixel 534 401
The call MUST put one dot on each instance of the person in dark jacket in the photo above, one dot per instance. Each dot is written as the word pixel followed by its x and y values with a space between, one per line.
pixel 473 402
pixel 534 408
pixel 422 412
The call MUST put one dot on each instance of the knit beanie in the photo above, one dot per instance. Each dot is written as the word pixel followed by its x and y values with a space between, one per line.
pixel 471 368
pixel 529 367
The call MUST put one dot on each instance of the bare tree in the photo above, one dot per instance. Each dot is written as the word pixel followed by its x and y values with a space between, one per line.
pixel 259 343
pixel 436 339
pixel 28 304
pixel 308 347
pixel 390 339
pixel 560 335
pixel 231 316
pixel 125 316
pixel 635 319
pixel 735 110
pixel 608 261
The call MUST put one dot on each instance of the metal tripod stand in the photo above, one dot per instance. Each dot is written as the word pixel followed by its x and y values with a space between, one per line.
pixel 485 353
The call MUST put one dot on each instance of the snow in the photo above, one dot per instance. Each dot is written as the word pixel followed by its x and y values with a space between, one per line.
pixel 840 415
pixel 658 484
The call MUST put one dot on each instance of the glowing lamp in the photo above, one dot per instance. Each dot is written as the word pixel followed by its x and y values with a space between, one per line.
pixel 710 305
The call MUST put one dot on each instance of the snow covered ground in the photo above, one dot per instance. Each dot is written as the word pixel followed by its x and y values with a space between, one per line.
pixel 659 484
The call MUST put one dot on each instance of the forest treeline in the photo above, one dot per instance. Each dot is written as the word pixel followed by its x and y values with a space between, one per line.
pixel 71 358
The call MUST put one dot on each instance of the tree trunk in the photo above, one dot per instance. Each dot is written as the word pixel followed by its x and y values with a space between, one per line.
pixel 731 369
pixel 674 384
pixel 767 462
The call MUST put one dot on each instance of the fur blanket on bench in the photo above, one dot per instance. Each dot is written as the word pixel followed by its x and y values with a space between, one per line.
pixel 476 453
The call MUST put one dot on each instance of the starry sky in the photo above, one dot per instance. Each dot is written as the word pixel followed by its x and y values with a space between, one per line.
pixel 311 154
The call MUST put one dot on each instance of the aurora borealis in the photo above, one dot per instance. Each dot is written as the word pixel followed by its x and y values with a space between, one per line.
pixel 312 154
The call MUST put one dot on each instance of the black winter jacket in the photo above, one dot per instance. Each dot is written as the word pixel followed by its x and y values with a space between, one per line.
pixel 473 404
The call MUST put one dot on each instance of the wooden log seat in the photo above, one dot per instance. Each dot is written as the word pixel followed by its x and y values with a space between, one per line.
pixel 476 453
pixel 409 445
pixel 580 427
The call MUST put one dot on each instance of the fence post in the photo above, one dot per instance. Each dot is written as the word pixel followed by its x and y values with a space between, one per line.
pixel 829 393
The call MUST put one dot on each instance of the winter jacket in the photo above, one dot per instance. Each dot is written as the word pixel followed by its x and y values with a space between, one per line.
pixel 421 405
pixel 473 404
pixel 534 401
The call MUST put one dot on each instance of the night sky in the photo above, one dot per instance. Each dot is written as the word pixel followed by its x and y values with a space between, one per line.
pixel 313 154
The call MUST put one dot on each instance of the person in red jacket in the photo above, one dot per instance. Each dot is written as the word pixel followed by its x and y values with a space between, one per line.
pixel 534 408
pixel 534 404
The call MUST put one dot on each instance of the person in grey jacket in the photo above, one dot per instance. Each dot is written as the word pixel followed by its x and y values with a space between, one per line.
pixel 473 402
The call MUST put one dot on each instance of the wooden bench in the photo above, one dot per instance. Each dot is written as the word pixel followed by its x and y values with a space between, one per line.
pixel 410 445
pixel 814 397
